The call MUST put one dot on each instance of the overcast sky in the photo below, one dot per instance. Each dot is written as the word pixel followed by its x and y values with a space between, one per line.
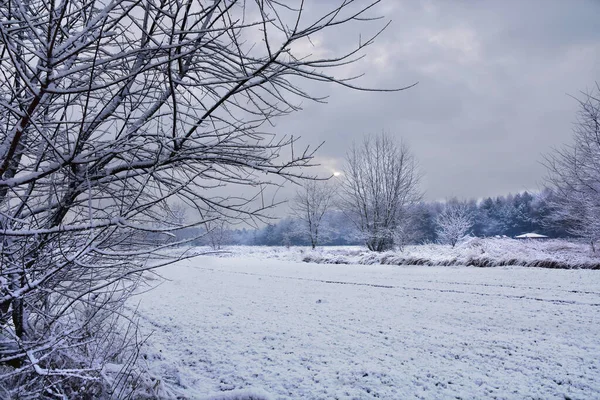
pixel 493 94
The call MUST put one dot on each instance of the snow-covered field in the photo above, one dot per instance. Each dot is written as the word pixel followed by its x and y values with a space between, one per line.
pixel 257 327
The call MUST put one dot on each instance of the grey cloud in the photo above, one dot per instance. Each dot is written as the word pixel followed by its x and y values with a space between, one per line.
pixel 492 97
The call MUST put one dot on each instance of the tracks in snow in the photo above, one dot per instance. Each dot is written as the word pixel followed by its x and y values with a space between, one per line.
pixel 419 289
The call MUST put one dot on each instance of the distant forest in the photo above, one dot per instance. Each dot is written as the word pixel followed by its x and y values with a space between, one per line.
pixel 509 216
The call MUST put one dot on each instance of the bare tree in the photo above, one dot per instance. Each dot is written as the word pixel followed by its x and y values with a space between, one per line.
pixel 381 179
pixel 574 173
pixel 216 232
pixel 453 222
pixel 110 110
pixel 311 203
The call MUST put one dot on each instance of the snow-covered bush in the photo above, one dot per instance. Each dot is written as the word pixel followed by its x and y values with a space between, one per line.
pixel 453 222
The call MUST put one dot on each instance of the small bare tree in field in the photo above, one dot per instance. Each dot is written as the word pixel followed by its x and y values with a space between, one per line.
pixel 574 173
pixel 216 232
pixel 453 222
pixel 109 111
pixel 381 179
pixel 309 206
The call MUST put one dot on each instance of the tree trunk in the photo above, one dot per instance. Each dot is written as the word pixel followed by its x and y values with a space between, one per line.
pixel 17 317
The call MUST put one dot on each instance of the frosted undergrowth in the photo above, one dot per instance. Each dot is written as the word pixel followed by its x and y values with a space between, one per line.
pixel 473 252
pixel 478 252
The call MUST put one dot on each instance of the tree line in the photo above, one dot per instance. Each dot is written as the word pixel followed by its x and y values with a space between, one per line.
pixel 504 216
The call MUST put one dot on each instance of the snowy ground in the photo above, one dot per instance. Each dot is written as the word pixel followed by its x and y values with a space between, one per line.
pixel 289 329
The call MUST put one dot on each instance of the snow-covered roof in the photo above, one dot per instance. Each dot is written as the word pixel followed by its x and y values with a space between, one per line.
pixel 531 236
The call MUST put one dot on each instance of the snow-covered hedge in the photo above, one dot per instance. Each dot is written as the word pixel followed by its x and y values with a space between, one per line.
pixel 475 252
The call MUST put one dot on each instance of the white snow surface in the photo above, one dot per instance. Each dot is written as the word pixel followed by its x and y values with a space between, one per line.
pixel 251 327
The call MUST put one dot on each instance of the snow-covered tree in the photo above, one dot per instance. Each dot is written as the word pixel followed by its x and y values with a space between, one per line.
pixel 380 180
pixel 309 206
pixel 453 222
pixel 109 110
pixel 574 173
